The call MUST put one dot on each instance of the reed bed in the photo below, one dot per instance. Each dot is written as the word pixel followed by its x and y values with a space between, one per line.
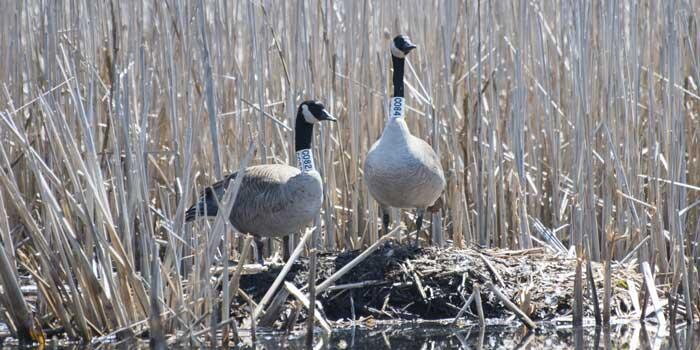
pixel 566 124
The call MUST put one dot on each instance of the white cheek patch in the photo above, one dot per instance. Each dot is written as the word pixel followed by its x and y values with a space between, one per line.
pixel 305 160
pixel 396 107
pixel 396 52
pixel 307 115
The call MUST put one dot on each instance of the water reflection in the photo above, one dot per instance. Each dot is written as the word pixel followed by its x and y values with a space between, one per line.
pixel 623 336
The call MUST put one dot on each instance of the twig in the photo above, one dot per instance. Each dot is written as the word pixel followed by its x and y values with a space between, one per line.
pixel 494 274
pixel 464 308
pixel 651 290
pixel 479 308
pixel 27 328
pixel 356 285
pixel 247 269
pixel 292 321
pixel 634 296
pixel 512 307
pixel 591 283
pixel 345 269
pixel 272 312
pixel 270 292
pixel 675 183
pixel 219 325
pixel 578 289
pixel 253 326
pixel 270 116
pixel 410 270
pixel 312 296
pixel 594 292
pixel 236 278
pixel 294 291
pixel 633 251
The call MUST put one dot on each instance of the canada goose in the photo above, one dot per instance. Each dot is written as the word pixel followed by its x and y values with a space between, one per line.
pixel 274 200
pixel 401 170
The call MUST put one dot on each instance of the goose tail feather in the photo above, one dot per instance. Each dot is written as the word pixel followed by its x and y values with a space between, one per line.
pixel 207 205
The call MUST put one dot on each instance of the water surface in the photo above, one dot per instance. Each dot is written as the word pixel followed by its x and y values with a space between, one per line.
pixel 431 336
pixel 623 336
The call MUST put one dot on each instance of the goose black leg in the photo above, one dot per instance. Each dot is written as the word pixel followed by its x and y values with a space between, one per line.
pixel 419 224
pixel 259 245
pixel 385 219
pixel 285 248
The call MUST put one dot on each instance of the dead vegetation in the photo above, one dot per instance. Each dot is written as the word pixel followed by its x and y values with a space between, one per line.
pixel 399 282
pixel 569 126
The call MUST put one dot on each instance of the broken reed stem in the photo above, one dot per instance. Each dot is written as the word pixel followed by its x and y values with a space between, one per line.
pixel 492 270
pixel 253 325
pixel 271 291
pixel 594 291
pixel 292 321
pixel 299 295
pixel 464 308
pixel 607 292
pixel 312 297
pixel 355 285
pixel 218 325
pixel 479 307
pixel 634 250
pixel 410 270
pixel 27 330
pixel 234 284
pixel 345 269
pixel 273 311
pixel 156 331
pixel 236 277
pixel 229 200
pixel 511 306
pixel 650 287
pixel 578 292
pixel 591 283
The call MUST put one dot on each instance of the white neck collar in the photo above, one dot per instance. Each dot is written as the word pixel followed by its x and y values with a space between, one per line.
pixel 305 160
pixel 397 107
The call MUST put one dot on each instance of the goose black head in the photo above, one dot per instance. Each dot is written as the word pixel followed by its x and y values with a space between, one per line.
pixel 401 46
pixel 315 111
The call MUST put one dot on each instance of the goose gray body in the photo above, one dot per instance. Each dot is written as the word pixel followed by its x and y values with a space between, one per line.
pixel 273 200
pixel 403 171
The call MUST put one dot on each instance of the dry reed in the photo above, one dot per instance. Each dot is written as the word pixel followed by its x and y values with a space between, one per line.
pixel 579 116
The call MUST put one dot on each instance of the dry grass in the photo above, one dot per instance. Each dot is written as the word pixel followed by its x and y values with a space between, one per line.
pixel 580 116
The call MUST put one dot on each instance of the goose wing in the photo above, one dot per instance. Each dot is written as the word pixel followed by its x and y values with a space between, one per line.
pixel 260 191
pixel 426 155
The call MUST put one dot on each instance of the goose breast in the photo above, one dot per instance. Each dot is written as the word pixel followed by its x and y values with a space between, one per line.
pixel 404 174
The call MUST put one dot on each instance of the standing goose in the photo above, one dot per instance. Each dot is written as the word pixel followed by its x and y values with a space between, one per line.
pixel 401 170
pixel 274 200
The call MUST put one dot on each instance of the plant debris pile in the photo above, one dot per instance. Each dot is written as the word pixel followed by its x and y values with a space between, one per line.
pixel 401 282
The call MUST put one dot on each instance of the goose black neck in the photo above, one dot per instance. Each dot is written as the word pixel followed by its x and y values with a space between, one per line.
pixel 398 75
pixel 303 133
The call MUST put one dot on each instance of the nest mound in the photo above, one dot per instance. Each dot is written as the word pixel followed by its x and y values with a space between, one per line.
pixel 398 282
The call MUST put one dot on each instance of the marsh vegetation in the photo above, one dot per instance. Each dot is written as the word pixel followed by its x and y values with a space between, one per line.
pixel 570 126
